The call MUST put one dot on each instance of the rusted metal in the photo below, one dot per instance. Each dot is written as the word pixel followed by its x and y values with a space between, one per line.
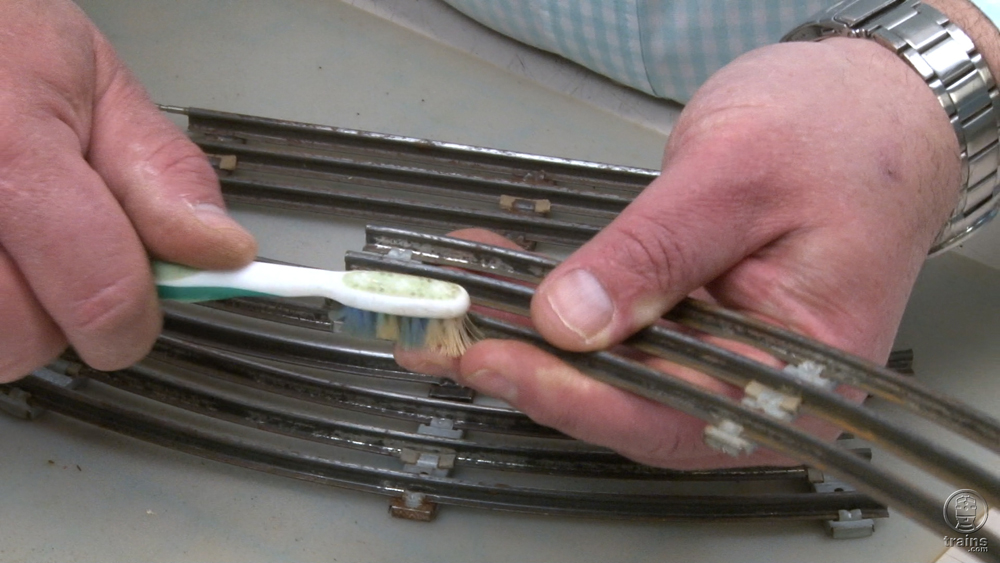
pixel 413 506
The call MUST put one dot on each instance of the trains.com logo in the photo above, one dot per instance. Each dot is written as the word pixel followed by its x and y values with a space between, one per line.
pixel 966 511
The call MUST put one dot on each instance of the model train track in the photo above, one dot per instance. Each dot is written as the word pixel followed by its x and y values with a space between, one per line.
pixel 269 384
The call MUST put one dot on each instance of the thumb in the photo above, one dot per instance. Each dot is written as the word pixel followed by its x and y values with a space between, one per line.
pixel 685 229
pixel 161 179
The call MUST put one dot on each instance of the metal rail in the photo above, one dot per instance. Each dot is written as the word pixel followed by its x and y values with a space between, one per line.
pixel 435 182
pixel 718 362
pixel 326 199
pixel 785 345
pixel 732 368
pixel 282 460
pixel 413 182
pixel 184 388
pixel 483 161
pixel 347 172
pixel 739 370
pixel 323 390
pixel 758 428
pixel 321 348
pixel 516 296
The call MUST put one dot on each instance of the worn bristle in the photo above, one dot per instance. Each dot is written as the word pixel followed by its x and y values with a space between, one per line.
pixel 357 322
pixel 450 337
pixel 387 327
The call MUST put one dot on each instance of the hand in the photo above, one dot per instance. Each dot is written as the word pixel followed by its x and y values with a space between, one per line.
pixel 92 180
pixel 803 184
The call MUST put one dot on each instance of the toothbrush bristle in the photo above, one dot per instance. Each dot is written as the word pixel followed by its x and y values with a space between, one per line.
pixel 387 327
pixel 358 322
pixel 451 337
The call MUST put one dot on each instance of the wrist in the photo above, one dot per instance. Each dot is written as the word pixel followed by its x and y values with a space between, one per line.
pixel 953 66
pixel 921 180
pixel 976 25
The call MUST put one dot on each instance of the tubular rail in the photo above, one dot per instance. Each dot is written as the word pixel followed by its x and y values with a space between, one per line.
pixel 731 368
pixel 326 199
pixel 183 389
pixel 261 375
pixel 257 382
pixel 280 161
pixel 718 362
pixel 264 456
pixel 785 345
pixel 367 145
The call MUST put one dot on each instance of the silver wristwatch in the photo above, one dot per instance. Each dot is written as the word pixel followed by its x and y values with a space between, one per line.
pixel 953 68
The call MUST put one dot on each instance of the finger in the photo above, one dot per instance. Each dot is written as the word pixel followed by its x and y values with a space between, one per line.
pixel 59 225
pixel 39 339
pixel 555 395
pixel 425 361
pixel 688 227
pixel 74 245
pixel 486 237
pixel 162 180
pixel 433 363
pixel 560 397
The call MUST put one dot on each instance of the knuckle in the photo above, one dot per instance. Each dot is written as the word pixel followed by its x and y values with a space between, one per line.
pixel 16 155
pixel 21 360
pixel 658 450
pixel 559 400
pixel 652 254
pixel 181 160
pixel 748 140
pixel 111 309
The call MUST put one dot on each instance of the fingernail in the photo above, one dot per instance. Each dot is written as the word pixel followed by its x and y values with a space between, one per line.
pixel 493 384
pixel 213 216
pixel 581 303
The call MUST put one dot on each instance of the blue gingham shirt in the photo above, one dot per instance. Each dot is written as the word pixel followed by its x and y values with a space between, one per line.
pixel 666 48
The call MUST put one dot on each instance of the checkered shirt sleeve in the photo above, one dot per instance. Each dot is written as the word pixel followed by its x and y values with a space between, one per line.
pixel 666 48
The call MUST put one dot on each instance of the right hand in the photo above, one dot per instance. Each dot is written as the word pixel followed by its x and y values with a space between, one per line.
pixel 93 180
pixel 816 225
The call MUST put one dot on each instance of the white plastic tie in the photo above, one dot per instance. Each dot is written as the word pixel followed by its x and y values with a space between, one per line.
pixel 771 402
pixel 726 436
pixel 810 372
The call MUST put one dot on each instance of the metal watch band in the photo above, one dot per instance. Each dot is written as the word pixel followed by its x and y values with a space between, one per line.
pixel 954 69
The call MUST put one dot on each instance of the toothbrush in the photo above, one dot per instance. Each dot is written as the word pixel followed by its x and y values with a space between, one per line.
pixel 414 311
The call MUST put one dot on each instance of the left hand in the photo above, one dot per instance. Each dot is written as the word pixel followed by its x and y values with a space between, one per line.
pixel 803 184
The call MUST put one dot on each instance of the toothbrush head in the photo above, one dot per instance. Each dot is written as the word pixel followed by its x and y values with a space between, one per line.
pixel 403 295
pixel 415 312
pixel 450 337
